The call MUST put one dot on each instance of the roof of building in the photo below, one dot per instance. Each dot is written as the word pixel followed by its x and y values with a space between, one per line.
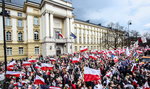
pixel 90 23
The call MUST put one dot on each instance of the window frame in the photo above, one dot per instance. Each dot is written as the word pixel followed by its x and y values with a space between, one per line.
pixel 20 38
pixel 20 50
pixel 8 36
pixel 36 50
pixel 9 51
pixel 36 35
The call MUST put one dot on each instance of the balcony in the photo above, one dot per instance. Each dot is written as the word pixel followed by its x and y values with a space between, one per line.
pixel 61 40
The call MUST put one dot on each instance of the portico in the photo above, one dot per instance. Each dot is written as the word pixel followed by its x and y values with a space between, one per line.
pixel 56 19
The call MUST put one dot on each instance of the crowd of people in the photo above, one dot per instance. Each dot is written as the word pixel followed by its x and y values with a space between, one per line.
pixel 119 69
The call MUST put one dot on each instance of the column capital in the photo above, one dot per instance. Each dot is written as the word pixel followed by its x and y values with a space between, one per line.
pixel 48 11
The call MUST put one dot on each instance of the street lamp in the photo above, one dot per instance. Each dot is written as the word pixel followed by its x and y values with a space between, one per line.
pixel 4 13
pixel 129 23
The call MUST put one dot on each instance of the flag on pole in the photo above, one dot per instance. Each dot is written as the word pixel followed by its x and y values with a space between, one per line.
pixel 39 80
pixel 45 66
pixel 26 63
pixel 91 74
pixel 59 34
pixel 13 73
pixel 75 60
pixel 53 87
pixel 73 35
pixel 83 49
pixel 11 64
pixel 32 60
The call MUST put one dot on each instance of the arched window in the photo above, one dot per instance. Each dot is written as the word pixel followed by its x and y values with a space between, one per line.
pixel 20 36
pixel 8 36
pixel 36 35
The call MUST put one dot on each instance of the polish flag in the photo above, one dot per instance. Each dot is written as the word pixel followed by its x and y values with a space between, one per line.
pixel 39 80
pixel 26 63
pixel 13 73
pixel 100 52
pixel 10 68
pixel 139 52
pixel 75 60
pixel 93 57
pixel 83 49
pixel 11 64
pixel 109 74
pixel 53 87
pixel 133 67
pixel 116 59
pixel 135 83
pixel 86 56
pixel 60 35
pixel 146 86
pixel 45 66
pixel 52 59
pixel 91 74
pixel 37 66
pixel 32 60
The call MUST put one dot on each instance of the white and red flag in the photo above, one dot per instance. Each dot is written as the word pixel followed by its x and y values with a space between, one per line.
pixel 32 60
pixel 53 87
pixel 75 60
pixel 83 49
pixel 93 57
pixel 52 59
pixel 13 73
pixel 37 66
pixel 39 80
pixel 60 35
pixel 139 51
pixel 86 56
pixel 25 63
pixel 133 68
pixel 146 86
pixel 45 66
pixel 91 74
pixel 11 64
pixel 109 74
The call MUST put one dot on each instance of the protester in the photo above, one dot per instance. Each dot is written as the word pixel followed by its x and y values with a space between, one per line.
pixel 105 69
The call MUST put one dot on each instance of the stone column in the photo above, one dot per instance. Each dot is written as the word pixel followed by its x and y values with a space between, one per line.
pixel 51 25
pixel 47 25
pixel 67 28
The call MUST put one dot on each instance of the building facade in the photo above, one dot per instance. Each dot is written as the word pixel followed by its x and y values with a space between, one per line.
pixel 44 28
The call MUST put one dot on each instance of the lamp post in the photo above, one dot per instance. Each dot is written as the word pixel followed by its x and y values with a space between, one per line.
pixel 129 23
pixel 4 13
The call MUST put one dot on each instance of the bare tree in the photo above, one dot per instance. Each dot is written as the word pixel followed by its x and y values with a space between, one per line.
pixel 147 35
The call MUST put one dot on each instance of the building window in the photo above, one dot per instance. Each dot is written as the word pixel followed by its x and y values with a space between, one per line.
pixel 37 50
pixel 8 36
pixel 57 34
pixel 8 1
pixel 20 50
pixel 7 21
pixel 20 36
pixel 19 14
pixel 19 23
pixel 9 51
pixel 80 40
pixel 36 35
pixel 36 21
pixel 75 48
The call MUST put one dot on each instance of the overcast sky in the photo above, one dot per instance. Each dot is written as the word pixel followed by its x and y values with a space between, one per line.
pixel 106 11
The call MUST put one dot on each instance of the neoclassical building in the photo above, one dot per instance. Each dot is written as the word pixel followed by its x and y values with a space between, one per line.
pixel 44 28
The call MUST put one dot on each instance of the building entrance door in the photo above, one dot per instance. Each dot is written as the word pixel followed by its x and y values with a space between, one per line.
pixel 58 51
